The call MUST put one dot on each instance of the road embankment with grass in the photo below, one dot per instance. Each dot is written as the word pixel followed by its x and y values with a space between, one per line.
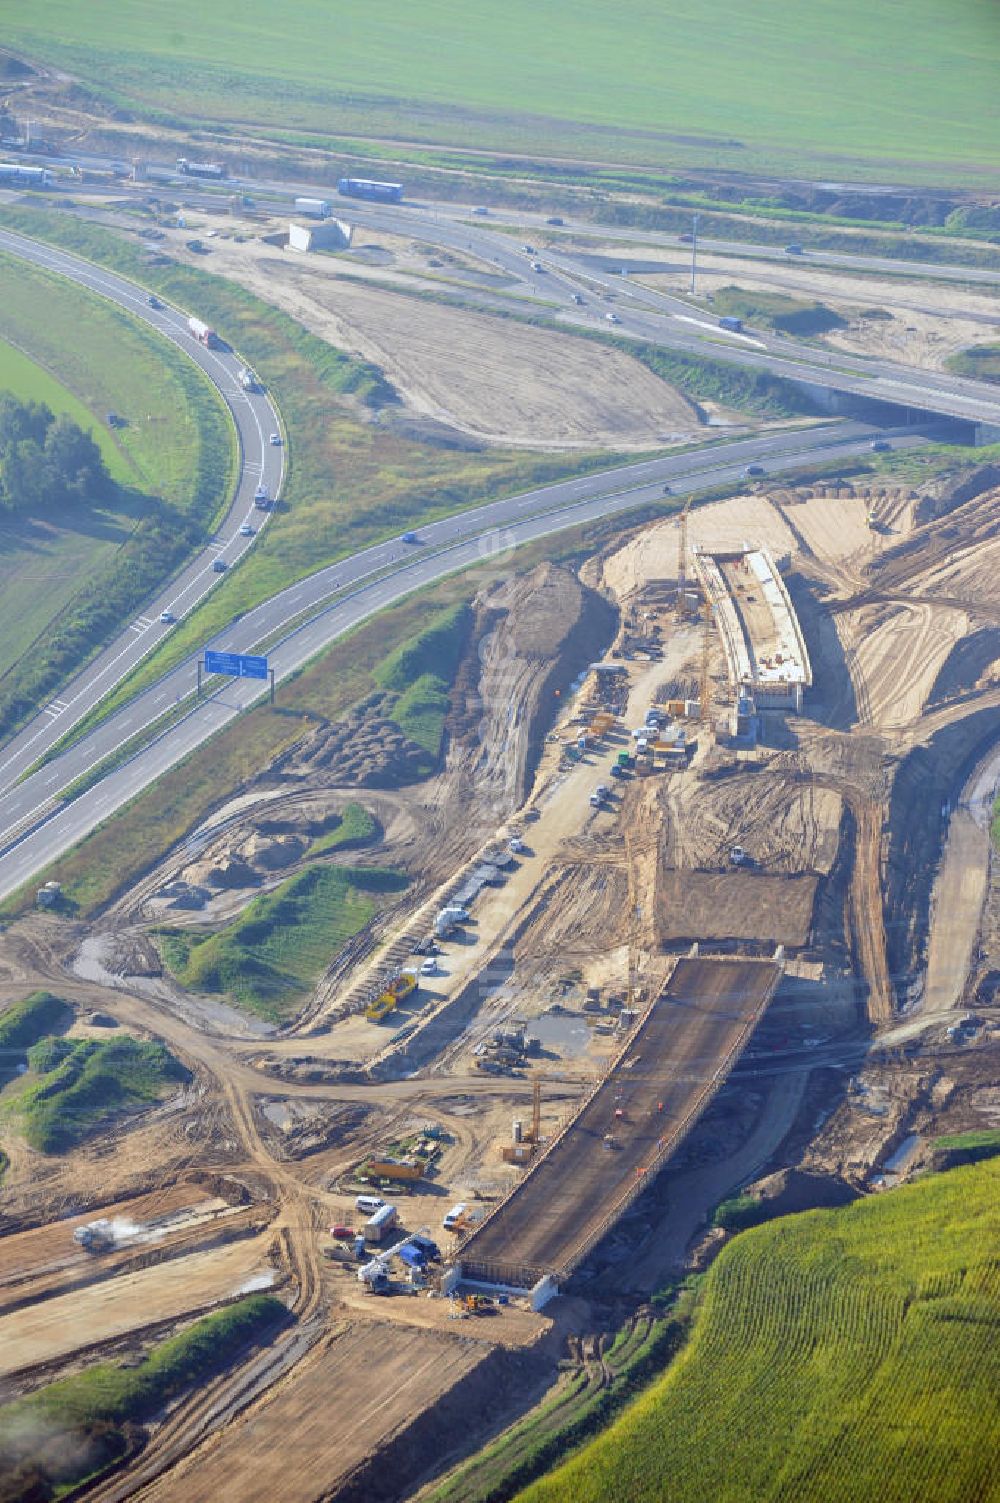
pixel 980 361
pixel 846 1356
pixel 71 577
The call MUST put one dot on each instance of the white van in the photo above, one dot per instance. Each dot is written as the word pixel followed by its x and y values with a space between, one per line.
pixel 454 1216
pixel 369 1204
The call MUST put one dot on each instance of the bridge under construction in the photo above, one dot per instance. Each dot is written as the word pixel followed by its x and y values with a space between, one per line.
pixel 628 1128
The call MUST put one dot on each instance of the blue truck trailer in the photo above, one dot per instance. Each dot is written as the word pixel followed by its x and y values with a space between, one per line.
pixel 364 187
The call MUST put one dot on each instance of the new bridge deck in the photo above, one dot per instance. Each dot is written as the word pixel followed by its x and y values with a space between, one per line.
pixel 677 1059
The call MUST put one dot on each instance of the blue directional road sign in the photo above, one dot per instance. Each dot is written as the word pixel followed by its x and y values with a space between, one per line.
pixel 236 664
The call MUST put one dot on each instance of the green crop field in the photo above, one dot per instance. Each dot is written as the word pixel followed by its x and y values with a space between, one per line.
pixel 269 957
pixel 900 81
pixel 67 579
pixel 848 1356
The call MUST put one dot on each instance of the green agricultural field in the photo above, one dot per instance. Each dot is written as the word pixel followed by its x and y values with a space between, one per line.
pixel 68 579
pixel 911 84
pixel 848 1356
pixel 267 960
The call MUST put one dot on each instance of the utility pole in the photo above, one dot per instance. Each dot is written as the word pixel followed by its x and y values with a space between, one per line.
pixel 694 250
pixel 680 603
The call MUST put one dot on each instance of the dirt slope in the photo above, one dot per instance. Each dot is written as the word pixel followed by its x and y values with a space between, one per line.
pixel 501 381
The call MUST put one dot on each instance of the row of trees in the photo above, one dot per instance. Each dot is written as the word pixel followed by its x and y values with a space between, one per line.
pixel 46 461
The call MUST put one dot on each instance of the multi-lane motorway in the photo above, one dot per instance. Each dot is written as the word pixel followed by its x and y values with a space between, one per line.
pixel 674 323
pixel 355 589
pixel 659 318
pixel 35 826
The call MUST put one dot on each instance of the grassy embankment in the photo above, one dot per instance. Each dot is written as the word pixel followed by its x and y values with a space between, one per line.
pixel 353 826
pixel 68 580
pixel 75 1428
pixel 23 1024
pixel 981 362
pixel 580 1403
pixel 773 310
pixel 74 1087
pixel 67 1088
pixel 267 960
pixel 848 1356
pixel 966 1147
pixel 350 482
pixel 768 89
pixel 419 673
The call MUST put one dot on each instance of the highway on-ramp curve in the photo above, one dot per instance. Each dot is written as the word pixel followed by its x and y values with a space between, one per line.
pixel 260 462
pixel 35 827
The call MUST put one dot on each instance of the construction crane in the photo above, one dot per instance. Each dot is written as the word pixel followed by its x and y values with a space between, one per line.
pixel 536 1111
pixel 682 537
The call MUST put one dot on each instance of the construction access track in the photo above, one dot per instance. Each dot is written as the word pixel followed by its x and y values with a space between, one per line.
pixel 678 1057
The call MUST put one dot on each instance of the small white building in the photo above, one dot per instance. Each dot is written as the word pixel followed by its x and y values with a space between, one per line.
pixel 327 234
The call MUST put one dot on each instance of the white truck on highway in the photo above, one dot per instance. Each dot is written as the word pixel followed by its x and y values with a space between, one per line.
pixel 314 208
pixel 203 333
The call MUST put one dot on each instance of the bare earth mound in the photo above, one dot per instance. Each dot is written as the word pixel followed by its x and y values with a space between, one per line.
pixel 497 379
